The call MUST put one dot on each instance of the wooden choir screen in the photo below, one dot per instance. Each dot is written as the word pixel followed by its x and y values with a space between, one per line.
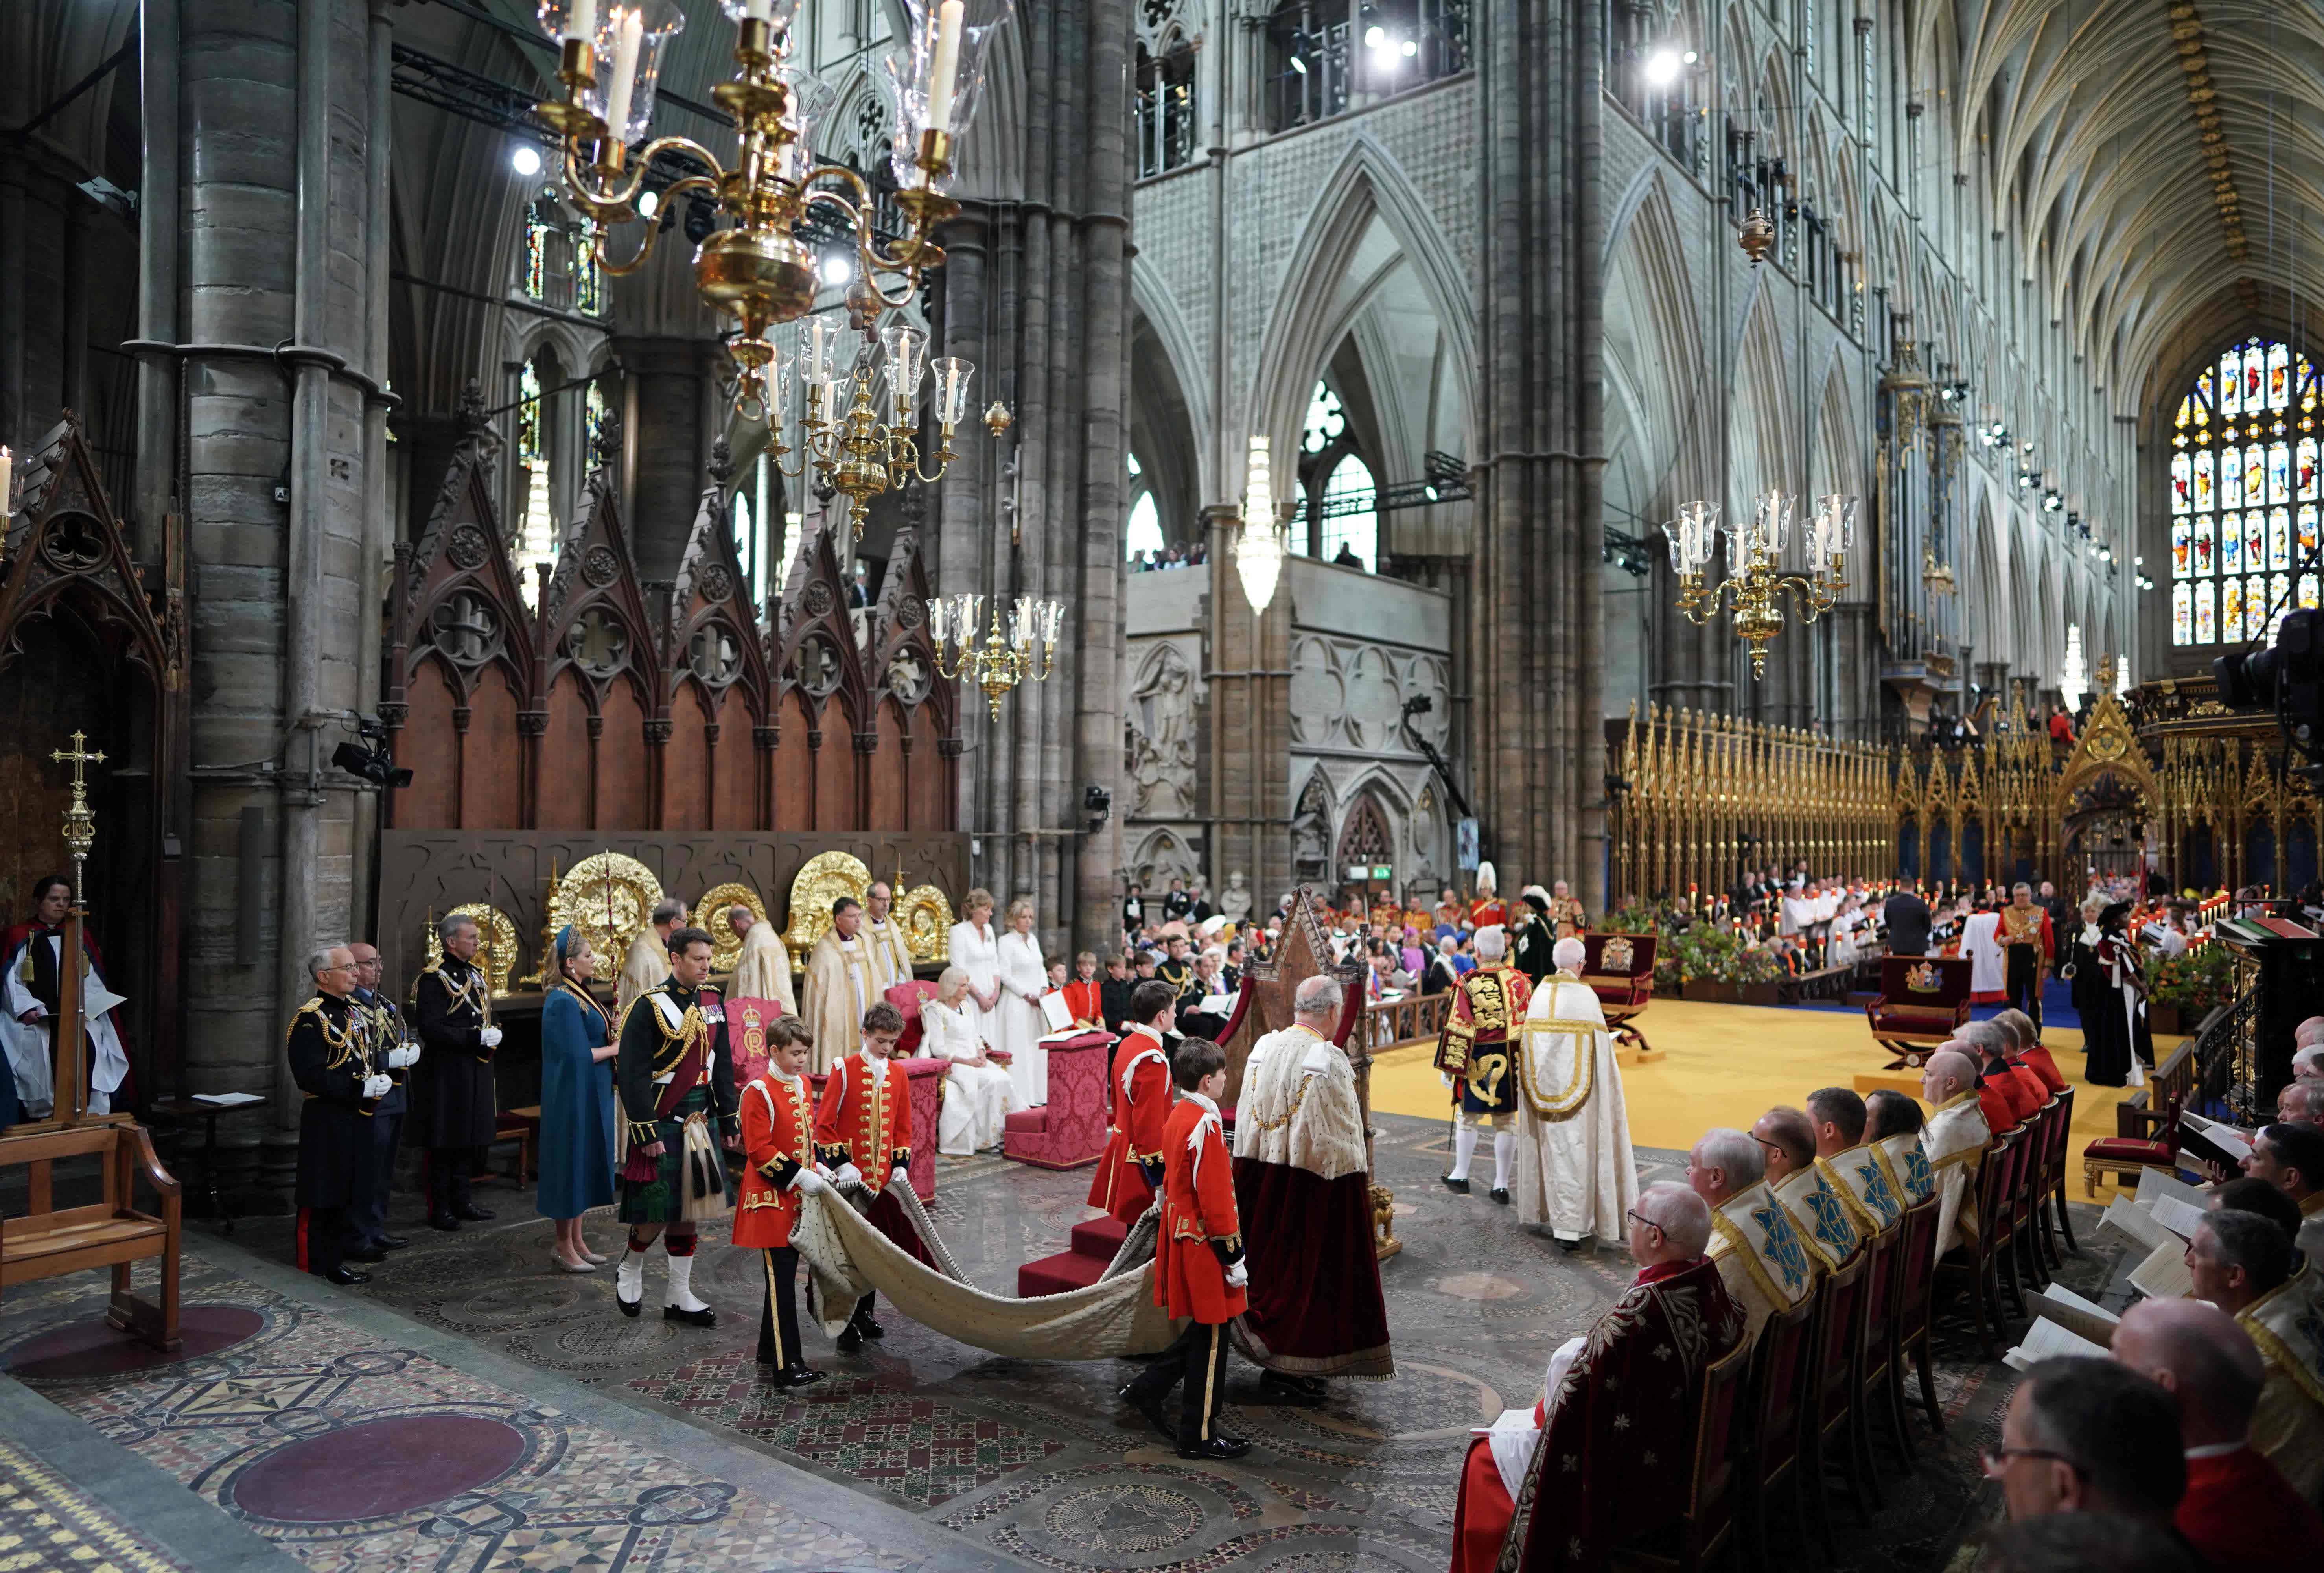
pixel 604 709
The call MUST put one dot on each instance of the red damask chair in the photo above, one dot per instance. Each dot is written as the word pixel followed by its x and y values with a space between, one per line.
pixel 1620 970
pixel 1923 999
pixel 1977 1263
pixel 924 1083
pixel 909 997
pixel 2127 1157
pixel 1069 1130
pixel 2053 1182
pixel 1783 1395
pixel 1835 1421
pixel 1878 1391
pixel 1916 1285
pixel 1707 1529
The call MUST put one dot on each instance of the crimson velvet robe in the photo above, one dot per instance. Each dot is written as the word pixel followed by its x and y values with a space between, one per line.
pixel 1614 1462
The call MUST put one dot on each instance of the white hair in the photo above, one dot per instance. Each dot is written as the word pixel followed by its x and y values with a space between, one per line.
pixel 739 910
pixel 1317 996
pixel 1567 954
pixel 1734 1153
pixel 948 977
pixel 2310 1058
pixel 318 961
pixel 1491 944
pixel 1684 1217
pixel 451 923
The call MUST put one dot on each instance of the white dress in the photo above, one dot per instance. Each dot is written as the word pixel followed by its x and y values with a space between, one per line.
pixel 977 1102
pixel 1988 967
pixel 978 954
pixel 1019 1025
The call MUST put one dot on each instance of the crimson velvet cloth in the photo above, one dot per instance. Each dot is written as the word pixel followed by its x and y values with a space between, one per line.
pixel 2037 1060
pixel 1315 1304
pixel 1612 1465
pixel 2239 1514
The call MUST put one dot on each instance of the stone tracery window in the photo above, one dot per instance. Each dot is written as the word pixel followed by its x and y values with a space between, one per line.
pixel 1338 491
pixel 2244 494
pixel 1143 532
pixel 537 537
pixel 1166 128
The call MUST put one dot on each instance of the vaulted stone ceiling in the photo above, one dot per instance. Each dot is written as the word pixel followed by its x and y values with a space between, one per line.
pixel 2161 164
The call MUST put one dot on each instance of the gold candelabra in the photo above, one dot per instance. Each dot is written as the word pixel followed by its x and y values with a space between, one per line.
pixel 760 266
pixel 1001 662
pixel 1754 578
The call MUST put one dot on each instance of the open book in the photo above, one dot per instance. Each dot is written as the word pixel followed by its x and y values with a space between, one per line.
pixel 2084 1318
pixel 2164 1275
pixel 2213 1139
pixel 2126 1218
pixel 2046 1340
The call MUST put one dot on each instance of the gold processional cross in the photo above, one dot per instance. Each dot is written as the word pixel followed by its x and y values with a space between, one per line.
pixel 80 824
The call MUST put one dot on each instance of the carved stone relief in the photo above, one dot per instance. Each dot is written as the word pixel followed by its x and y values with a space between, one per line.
pixel 1161 736
pixel 1348 693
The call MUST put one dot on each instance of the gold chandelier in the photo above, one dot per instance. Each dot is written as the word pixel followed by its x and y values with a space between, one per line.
pixel 1753 579
pixel 759 266
pixel 1262 543
pixel 1000 663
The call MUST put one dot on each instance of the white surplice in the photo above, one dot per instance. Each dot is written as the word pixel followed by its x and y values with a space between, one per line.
pixel 1575 1169
pixel 27 1043
pixel 1019 1025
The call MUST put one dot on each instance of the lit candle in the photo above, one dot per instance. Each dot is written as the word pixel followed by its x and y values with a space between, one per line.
pixel 7 478
pixel 628 32
pixel 945 73
pixel 581 21
pixel 757 10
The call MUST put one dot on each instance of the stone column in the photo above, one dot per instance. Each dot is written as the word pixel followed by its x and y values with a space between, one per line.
pixel 274 106
pixel 1249 678
pixel 1036 294
pixel 1540 756
pixel 662 427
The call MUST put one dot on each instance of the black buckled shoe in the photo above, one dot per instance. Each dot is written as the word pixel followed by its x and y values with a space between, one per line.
pixel 849 1339
pixel 797 1374
pixel 444 1221
pixel 1305 1391
pixel 704 1318
pixel 367 1254
pixel 1152 1408
pixel 869 1329
pixel 1499 1193
pixel 391 1243
pixel 471 1213
pixel 346 1277
pixel 1217 1447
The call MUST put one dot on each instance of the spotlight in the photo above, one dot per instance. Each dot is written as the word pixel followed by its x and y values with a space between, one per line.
pixel 648 203
pixel 1662 67
pixel 1409 48
pixel 370 759
pixel 1375 38
pixel 1690 57
pixel 837 270
pixel 1299 65
pixel 525 160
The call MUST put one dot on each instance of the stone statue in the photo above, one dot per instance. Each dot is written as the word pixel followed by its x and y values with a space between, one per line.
pixel 1234 902
pixel 1162 739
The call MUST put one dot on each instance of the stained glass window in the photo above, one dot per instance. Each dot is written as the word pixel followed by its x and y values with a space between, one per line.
pixel 588 278
pixel 2245 493
pixel 599 415
pixel 537 231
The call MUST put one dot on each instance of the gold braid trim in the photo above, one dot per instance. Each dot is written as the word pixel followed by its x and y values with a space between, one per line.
pixel 1289 1114
pixel 1565 1105
pixel 1726 1232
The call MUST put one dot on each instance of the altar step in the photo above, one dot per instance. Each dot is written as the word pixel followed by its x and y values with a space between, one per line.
pixel 1094 1243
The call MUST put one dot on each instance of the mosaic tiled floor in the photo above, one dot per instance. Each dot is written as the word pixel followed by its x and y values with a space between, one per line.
pixel 47 1525
pixel 353 1453
pixel 1037 1462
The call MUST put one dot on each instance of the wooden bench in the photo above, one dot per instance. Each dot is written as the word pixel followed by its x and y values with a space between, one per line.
pixel 49 1242
pixel 1825 983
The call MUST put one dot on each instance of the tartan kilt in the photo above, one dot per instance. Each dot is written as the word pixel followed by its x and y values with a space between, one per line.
pixel 662 1199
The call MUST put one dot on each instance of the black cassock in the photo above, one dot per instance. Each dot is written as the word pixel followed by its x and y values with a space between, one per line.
pixel 452 1102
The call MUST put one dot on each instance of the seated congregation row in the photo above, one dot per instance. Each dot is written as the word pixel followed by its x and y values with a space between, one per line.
pixel 1782 1289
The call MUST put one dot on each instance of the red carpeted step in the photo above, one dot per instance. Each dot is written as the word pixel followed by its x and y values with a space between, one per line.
pixel 1068 1270
pixel 1100 1236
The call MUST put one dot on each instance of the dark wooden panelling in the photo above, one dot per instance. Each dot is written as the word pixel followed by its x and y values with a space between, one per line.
pixel 429 747
pixel 565 758
pixel 686 764
pixel 621 760
pixel 889 804
pixel 794 769
pixel 491 768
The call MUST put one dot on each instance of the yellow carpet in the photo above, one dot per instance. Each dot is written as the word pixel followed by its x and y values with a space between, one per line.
pixel 1727 1065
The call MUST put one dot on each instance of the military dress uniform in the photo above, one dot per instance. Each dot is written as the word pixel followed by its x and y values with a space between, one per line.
pixel 1476 1057
pixel 1179 972
pixel 375 1165
pixel 330 1053
pixel 1534 953
pixel 865 1119
pixel 778 1117
pixel 1198 1273
pixel 674 1068
pixel 455 1110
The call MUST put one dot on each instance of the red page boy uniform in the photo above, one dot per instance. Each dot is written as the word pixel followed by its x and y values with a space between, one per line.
pixel 864 1130
pixel 778 1141
pixel 1139 1090
pixel 1198 1261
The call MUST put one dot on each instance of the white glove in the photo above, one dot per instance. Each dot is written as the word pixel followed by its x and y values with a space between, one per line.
pixel 490 1038
pixel 902 1171
pixel 1445 1076
pixel 1239 1275
pixel 808 1182
pixel 403 1057
pixel 849 1175
pixel 379 1084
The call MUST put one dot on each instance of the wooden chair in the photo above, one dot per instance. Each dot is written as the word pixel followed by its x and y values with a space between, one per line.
pixel 1833 1412
pixel 1706 1531
pixel 2054 1183
pixel 49 1242
pixel 1924 1001
pixel 2034 1251
pixel 1620 970
pixel 1783 1377
pixel 2128 1157
pixel 1878 1391
pixel 1977 1263
pixel 1916 1288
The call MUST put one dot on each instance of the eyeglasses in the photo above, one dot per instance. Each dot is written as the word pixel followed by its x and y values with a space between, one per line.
pixel 1997 1459
pixel 1639 1218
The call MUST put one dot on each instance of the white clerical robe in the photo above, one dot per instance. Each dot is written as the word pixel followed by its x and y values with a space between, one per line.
pixel 977 1097
pixel 1955 1138
pixel 1988 969
pixel 27 1043
pixel 1575 1170
pixel 838 992
pixel 763 970
pixel 1017 1026
pixel 891 959
pixel 642 971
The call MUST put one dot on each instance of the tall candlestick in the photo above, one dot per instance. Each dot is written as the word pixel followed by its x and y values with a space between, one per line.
pixel 943 75
pixel 7 476
pixel 581 21
pixel 629 32
pixel 758 10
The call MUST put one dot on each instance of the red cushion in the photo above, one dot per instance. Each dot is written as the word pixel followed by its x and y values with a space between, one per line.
pixel 1031 1121
pixel 2129 1150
